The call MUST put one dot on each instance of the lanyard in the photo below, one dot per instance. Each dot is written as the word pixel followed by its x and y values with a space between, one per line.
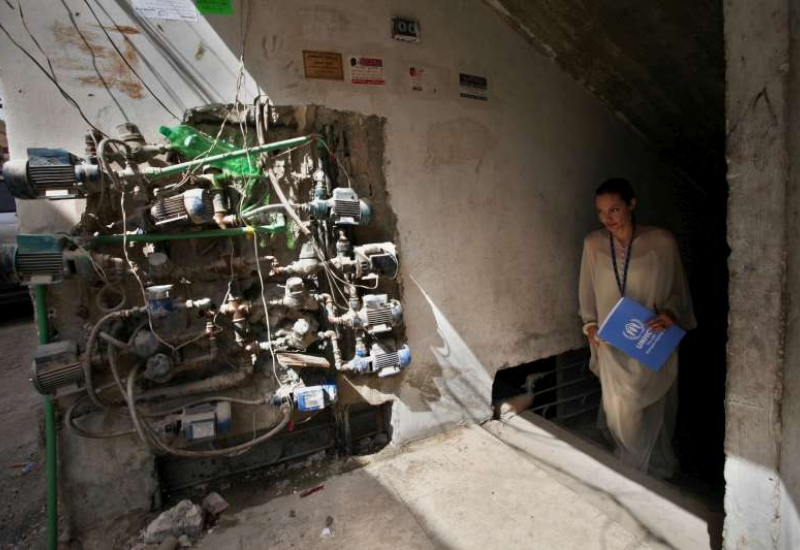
pixel 621 284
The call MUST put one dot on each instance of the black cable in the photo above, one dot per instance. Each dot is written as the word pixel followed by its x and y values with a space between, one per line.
pixel 125 60
pixel 63 92
pixel 94 62
pixel 33 38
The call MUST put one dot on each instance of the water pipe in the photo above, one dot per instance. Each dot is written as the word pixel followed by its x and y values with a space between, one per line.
pixel 208 234
pixel 40 306
pixel 175 169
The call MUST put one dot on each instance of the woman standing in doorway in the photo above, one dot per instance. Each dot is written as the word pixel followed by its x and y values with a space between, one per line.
pixel 642 263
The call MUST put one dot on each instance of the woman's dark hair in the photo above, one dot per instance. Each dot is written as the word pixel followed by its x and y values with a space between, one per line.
pixel 616 186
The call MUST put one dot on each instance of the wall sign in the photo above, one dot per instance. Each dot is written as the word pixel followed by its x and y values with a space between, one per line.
pixel 175 10
pixel 367 71
pixel 473 87
pixel 325 65
pixel 416 74
pixel 405 29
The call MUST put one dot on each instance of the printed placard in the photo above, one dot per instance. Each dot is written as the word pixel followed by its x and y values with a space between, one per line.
pixel 367 71
pixel 173 10
pixel 473 87
pixel 325 65
pixel 417 77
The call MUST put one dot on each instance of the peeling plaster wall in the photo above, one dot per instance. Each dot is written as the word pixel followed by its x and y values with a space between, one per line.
pixel 492 198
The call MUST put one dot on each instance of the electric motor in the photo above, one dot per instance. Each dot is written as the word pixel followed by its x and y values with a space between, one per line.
pixel 380 313
pixel 195 206
pixel 39 259
pixel 347 209
pixel 385 363
pixel 55 366
pixel 48 173
pixel 344 208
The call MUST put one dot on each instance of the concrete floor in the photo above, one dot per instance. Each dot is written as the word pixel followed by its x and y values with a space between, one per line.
pixel 491 486
pixel 22 477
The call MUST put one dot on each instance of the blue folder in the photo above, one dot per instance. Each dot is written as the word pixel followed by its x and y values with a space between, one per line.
pixel 625 328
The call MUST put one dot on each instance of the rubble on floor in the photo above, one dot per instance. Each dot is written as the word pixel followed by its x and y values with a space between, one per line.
pixel 185 518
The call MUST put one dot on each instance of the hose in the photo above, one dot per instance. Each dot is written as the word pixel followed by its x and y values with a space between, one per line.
pixel 114 367
pixel 146 432
pixel 70 423
pixel 119 290
pixel 152 440
pixel 113 341
pixel 215 398
pixel 87 360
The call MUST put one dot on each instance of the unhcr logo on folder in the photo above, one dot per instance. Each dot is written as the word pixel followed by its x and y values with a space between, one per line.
pixel 634 329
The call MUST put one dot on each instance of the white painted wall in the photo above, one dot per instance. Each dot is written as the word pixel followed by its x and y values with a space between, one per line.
pixel 493 199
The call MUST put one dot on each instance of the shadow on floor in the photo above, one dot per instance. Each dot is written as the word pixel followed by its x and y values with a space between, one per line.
pixel 570 456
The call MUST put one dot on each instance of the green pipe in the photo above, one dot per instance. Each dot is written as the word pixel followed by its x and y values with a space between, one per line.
pixel 174 169
pixel 40 305
pixel 208 234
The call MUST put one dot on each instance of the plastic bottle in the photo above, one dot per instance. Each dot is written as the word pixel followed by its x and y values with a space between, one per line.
pixel 192 143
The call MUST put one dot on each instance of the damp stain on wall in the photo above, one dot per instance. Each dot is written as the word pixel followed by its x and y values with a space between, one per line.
pixel 91 60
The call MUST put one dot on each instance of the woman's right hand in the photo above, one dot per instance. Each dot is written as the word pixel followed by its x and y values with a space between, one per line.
pixel 591 334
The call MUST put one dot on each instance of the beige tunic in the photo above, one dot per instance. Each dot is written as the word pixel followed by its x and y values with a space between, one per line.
pixel 634 395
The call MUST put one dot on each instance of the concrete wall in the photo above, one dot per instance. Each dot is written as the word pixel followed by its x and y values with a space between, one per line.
pixel 790 414
pixel 763 396
pixel 492 198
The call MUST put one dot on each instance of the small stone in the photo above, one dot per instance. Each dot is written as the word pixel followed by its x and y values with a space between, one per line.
pixel 184 541
pixel 214 504
pixel 292 514
pixel 185 518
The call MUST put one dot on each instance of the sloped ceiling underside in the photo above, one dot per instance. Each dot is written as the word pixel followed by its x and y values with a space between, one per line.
pixel 659 65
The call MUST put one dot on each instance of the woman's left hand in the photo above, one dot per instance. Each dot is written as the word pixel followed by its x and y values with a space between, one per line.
pixel 661 322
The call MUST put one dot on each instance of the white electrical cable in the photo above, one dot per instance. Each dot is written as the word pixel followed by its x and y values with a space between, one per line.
pixel 98 269
pixel 134 270
pixel 336 158
pixel 266 311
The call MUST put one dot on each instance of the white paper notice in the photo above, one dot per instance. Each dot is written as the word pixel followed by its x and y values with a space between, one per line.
pixel 367 70
pixel 175 10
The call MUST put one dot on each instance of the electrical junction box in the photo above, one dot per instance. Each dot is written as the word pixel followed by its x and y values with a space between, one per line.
pixel 314 398
pixel 206 421
pixel 199 425
pixel 405 29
